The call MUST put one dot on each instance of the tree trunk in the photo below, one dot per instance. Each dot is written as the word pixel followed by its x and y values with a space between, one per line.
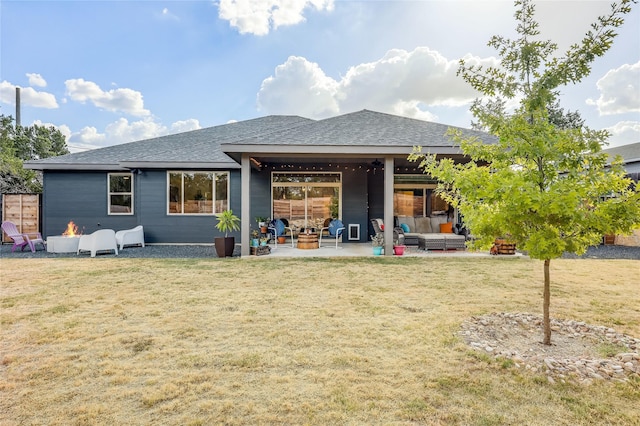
pixel 545 304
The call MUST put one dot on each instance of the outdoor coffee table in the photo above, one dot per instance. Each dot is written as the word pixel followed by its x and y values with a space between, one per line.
pixel 308 241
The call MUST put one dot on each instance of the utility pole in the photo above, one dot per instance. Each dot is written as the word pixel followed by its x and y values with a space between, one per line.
pixel 17 106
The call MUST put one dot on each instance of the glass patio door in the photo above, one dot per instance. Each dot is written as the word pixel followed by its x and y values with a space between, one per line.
pixel 306 200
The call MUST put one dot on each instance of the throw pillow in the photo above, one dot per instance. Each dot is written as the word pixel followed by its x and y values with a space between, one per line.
pixel 279 226
pixel 423 225
pixel 446 228
pixel 404 227
pixel 335 227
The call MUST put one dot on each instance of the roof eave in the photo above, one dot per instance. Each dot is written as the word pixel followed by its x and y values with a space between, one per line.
pixel 128 165
pixel 235 150
pixel 192 165
pixel 72 166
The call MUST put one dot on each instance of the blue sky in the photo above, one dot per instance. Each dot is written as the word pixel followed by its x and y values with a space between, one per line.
pixel 109 72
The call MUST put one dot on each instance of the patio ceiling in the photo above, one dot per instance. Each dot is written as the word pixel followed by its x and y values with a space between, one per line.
pixel 327 162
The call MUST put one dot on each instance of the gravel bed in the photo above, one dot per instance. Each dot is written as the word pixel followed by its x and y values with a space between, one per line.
pixel 206 250
pixel 147 252
pixel 608 252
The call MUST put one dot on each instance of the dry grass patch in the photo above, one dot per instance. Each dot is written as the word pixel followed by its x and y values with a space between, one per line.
pixel 294 341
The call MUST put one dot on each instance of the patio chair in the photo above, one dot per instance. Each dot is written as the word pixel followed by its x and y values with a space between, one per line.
pixel 130 237
pixel 22 239
pixel 278 228
pixel 101 240
pixel 398 232
pixel 335 228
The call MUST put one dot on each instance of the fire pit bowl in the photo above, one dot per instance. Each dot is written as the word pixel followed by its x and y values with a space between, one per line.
pixel 62 244
pixel 65 243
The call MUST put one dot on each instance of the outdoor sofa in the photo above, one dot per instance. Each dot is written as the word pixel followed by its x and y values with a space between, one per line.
pixel 430 232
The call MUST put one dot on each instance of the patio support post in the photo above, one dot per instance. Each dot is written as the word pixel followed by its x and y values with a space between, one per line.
pixel 245 204
pixel 388 205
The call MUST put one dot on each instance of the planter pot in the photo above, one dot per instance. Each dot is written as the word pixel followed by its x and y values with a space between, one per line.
pixel 377 251
pixel 263 243
pixel 225 246
pixel 398 250
pixel 263 229
pixel 281 240
pixel 255 242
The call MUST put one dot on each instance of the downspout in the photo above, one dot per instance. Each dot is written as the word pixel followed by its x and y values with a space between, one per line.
pixel 245 204
pixel 388 205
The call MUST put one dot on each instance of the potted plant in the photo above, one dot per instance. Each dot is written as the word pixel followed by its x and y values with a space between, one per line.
pixel 398 249
pixel 378 243
pixel 254 238
pixel 264 241
pixel 262 223
pixel 227 222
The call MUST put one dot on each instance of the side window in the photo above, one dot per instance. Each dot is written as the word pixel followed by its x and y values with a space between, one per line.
pixel 120 193
pixel 202 193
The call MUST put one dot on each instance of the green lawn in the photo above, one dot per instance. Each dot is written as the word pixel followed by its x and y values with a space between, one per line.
pixel 294 341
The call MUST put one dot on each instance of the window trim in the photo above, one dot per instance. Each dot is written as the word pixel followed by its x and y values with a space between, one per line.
pixel 213 191
pixel 109 194
pixel 338 185
pixel 413 186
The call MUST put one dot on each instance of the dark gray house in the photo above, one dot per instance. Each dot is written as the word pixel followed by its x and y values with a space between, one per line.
pixel 352 166
pixel 630 156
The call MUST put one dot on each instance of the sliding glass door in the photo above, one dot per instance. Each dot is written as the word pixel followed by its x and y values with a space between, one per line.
pixel 306 199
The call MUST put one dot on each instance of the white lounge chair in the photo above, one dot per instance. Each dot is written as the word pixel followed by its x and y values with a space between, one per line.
pixel 101 240
pixel 130 237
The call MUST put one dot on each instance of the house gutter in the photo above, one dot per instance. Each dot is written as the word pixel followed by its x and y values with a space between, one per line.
pixel 128 165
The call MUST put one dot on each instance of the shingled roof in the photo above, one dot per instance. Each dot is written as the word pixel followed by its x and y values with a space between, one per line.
pixel 630 155
pixel 193 149
pixel 364 132
pixel 358 132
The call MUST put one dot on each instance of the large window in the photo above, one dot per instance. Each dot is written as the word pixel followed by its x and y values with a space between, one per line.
pixel 306 199
pixel 414 195
pixel 205 193
pixel 120 193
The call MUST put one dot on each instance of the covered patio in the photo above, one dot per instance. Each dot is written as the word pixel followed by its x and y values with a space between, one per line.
pixel 365 153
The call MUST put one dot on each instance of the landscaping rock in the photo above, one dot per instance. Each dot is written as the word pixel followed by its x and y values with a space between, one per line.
pixel 574 353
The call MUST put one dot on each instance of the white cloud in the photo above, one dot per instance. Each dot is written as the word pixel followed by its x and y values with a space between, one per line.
pixel 90 136
pixel 185 125
pixel 624 132
pixel 125 100
pixel 122 131
pixel 405 83
pixel 36 80
pixel 28 96
pixel 64 129
pixel 167 15
pixel 619 91
pixel 299 87
pixel 259 16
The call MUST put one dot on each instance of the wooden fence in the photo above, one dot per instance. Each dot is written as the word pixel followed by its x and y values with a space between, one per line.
pixel 23 210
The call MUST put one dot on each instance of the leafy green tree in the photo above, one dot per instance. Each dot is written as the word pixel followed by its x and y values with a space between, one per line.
pixel 23 143
pixel 544 184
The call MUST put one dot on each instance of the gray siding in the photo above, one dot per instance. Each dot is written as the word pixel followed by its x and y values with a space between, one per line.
pixel 82 197
pixel 375 183
pixel 260 195
pixel 354 202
